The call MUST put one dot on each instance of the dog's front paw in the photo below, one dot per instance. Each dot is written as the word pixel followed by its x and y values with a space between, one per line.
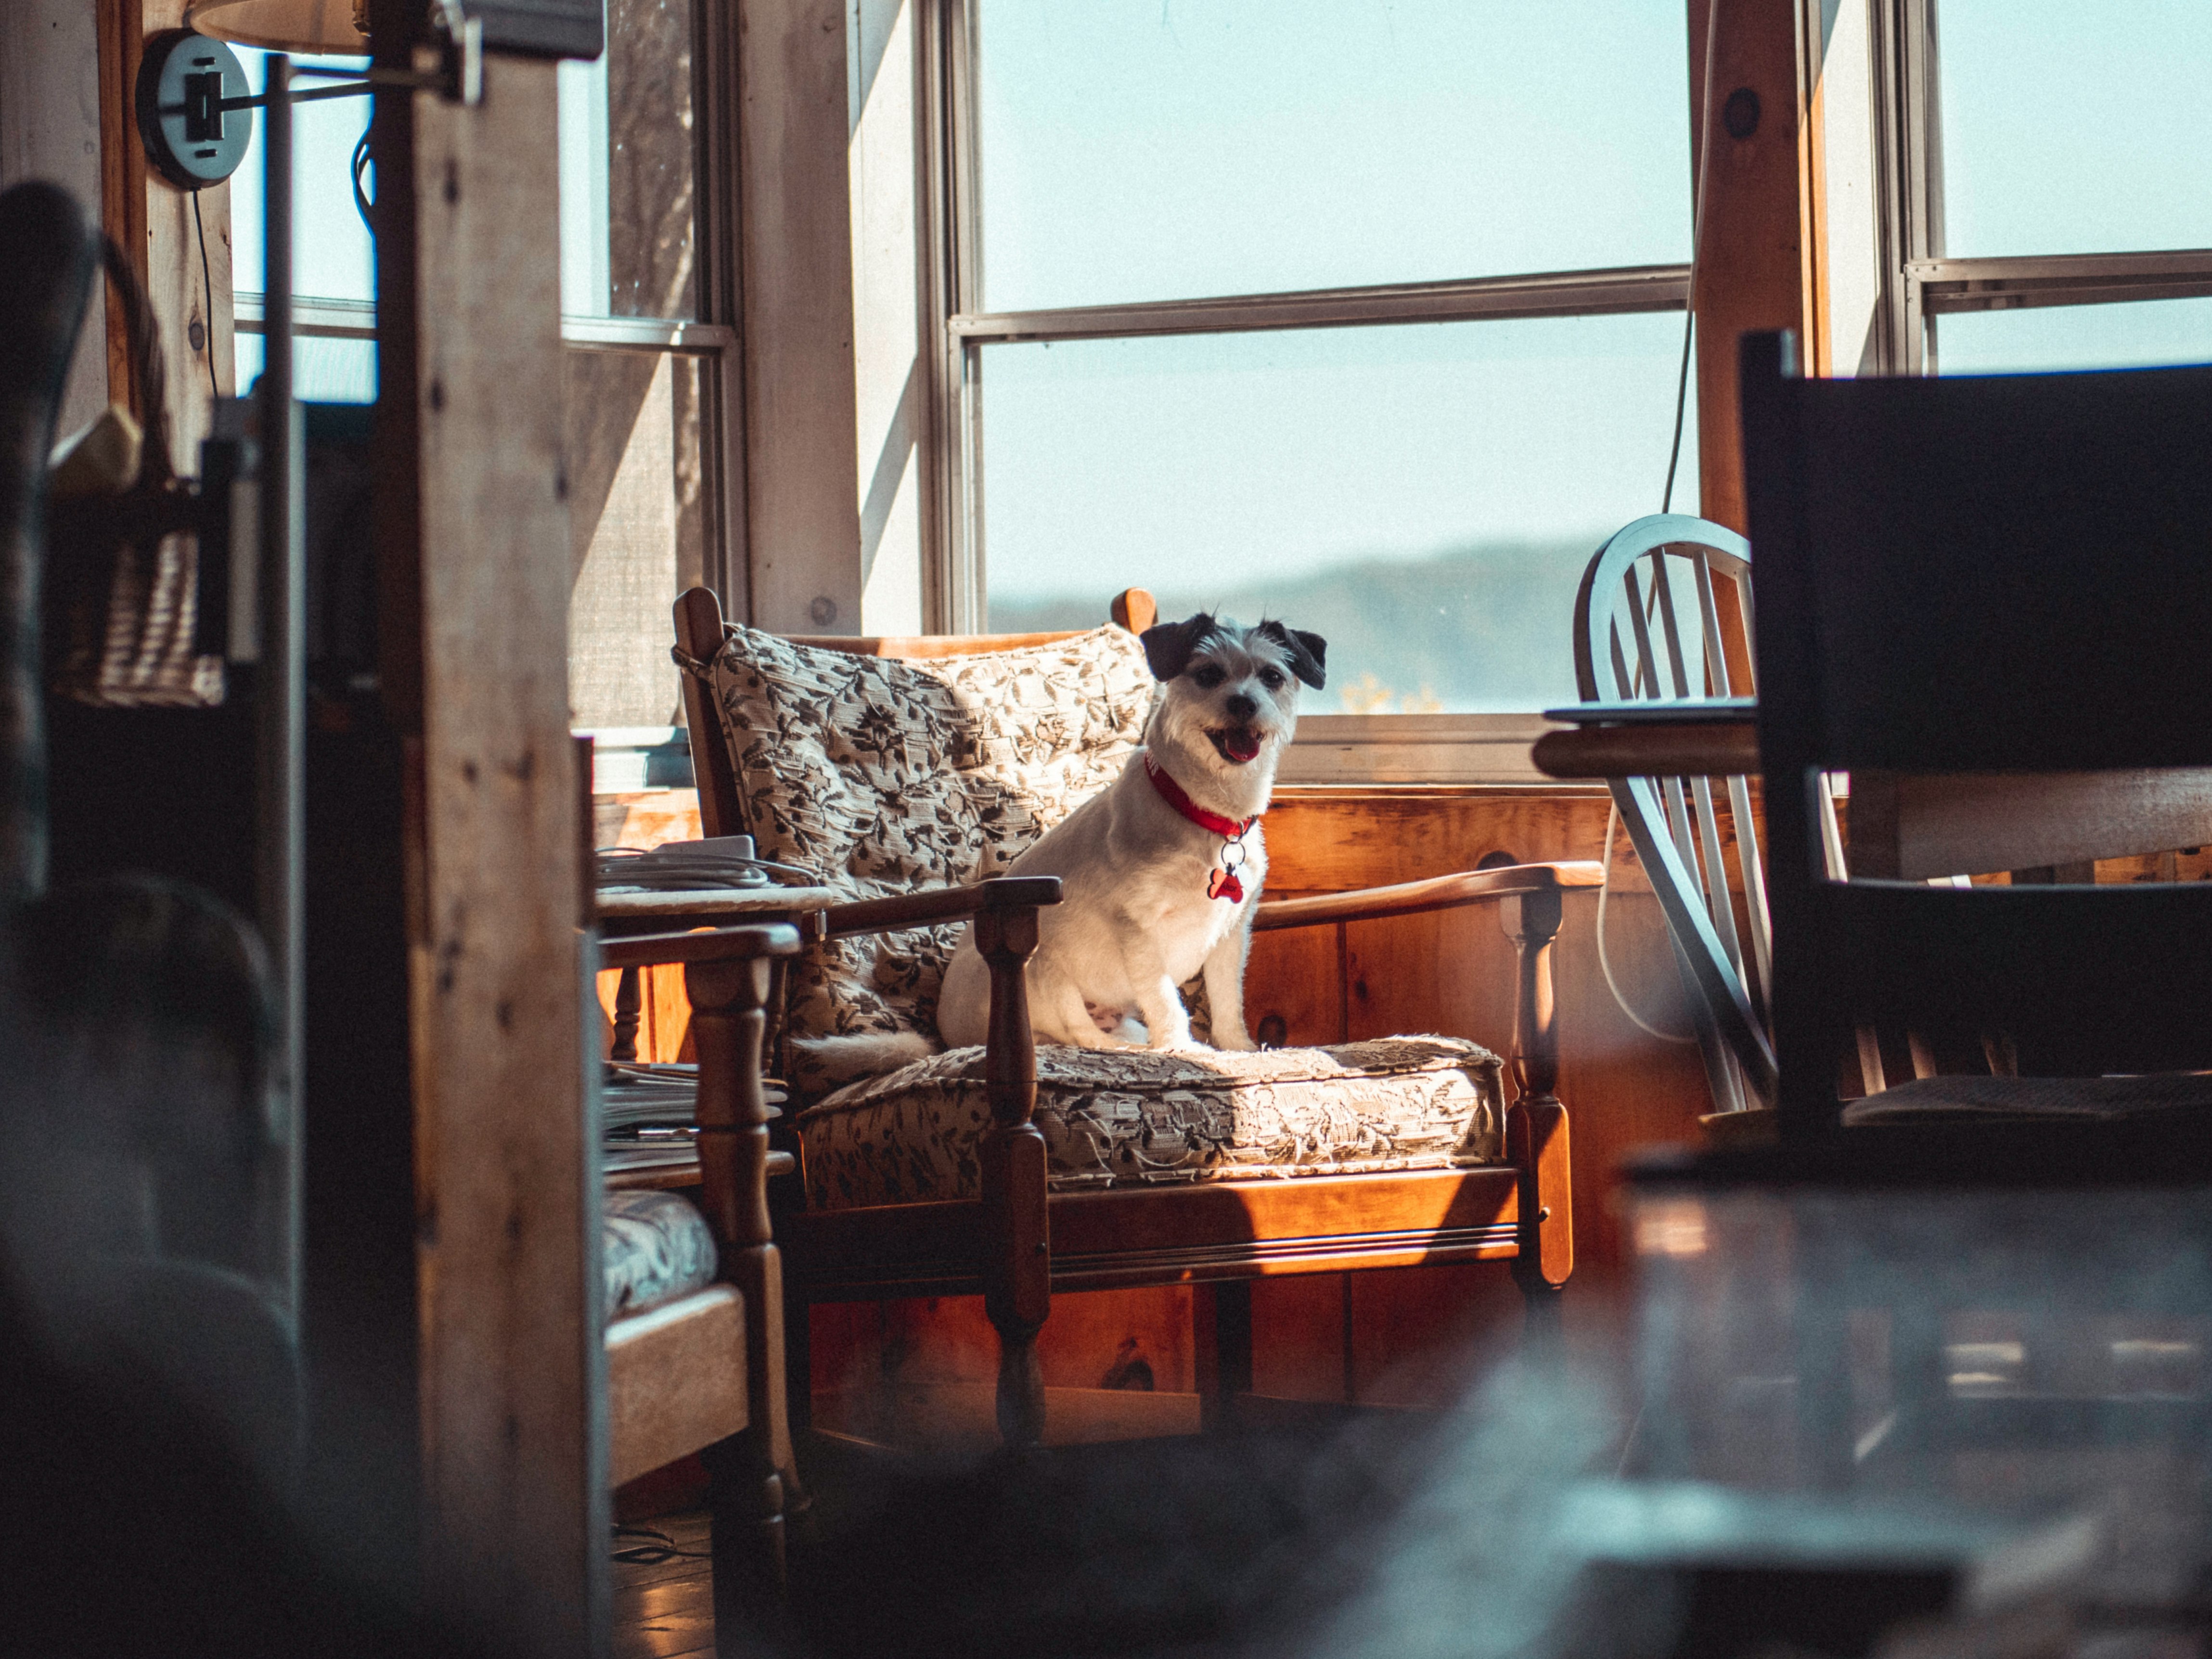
pixel 1236 1042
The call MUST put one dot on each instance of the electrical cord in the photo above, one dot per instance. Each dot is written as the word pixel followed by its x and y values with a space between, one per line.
pixel 1696 246
pixel 657 1548
pixel 1604 966
pixel 1674 461
pixel 361 158
pixel 207 283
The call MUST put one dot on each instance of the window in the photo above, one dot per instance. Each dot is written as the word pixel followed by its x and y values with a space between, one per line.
pixel 645 306
pixel 1368 318
pixel 333 259
pixel 2047 202
pixel 648 365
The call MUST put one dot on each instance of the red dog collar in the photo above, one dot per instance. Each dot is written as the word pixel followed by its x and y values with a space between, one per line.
pixel 1223 883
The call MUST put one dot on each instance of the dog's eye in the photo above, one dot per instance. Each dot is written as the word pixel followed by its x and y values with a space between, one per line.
pixel 1271 679
pixel 1208 677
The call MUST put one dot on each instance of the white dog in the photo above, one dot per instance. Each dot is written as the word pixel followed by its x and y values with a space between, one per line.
pixel 1159 871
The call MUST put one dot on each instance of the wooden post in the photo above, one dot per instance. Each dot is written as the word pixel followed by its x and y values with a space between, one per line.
pixel 474 571
pixel 1018 1256
pixel 1751 270
pixel 802 436
pixel 1536 1123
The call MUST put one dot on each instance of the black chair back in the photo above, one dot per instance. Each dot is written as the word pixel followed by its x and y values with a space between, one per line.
pixel 2009 574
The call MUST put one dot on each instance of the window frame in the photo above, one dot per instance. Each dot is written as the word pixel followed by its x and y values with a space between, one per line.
pixel 1473 747
pixel 1919 281
pixel 715 338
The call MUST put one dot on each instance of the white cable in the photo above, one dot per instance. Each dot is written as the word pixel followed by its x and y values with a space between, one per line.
pixel 1604 887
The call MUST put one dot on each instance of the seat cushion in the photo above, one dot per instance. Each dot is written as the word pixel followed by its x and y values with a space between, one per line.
pixel 656 1248
pixel 887 776
pixel 2032 1099
pixel 1127 1117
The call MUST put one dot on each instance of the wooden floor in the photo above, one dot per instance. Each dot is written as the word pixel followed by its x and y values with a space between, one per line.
pixel 1188 1547
pixel 664 1609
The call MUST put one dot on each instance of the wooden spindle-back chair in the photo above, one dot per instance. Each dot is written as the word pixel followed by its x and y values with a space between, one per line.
pixel 1663 614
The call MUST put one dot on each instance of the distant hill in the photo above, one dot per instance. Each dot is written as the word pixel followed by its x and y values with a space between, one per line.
pixel 1478 628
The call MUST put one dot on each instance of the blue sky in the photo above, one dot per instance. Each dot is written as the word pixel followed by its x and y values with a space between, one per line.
pixel 1136 150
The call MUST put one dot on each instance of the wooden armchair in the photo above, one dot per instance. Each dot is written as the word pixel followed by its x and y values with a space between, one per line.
pixel 705 1372
pixel 1020 1239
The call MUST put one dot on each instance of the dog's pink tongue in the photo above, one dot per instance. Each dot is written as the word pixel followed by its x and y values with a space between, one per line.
pixel 1242 745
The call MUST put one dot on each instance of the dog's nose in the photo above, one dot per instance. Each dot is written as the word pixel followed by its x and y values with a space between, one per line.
pixel 1241 708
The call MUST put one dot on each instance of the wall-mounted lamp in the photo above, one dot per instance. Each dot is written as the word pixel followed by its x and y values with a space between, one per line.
pixel 195 108
pixel 339 27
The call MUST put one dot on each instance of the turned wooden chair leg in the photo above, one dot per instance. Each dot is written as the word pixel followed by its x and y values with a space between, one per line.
pixel 1536 1124
pixel 629 1006
pixel 1221 1320
pixel 744 1501
pixel 728 1022
pixel 1018 1254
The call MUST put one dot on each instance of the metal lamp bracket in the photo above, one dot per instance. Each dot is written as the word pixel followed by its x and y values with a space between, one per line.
pixel 195 107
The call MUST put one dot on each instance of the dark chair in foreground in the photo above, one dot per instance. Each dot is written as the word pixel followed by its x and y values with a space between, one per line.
pixel 906 788
pixel 1986 600
pixel 1960 578
pixel 1663 614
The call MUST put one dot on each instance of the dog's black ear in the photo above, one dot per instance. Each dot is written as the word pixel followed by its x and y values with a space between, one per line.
pixel 1309 653
pixel 1170 646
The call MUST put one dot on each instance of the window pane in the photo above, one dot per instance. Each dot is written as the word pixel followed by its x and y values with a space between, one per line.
pixel 332 255
pixel 2144 334
pixel 1131 151
pixel 628 210
pixel 636 528
pixel 1423 497
pixel 2074 128
pixel 324 371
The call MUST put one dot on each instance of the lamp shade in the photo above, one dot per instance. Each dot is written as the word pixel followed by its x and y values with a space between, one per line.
pixel 338 27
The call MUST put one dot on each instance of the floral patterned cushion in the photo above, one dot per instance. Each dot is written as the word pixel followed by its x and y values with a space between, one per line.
pixel 656 1248
pixel 888 777
pixel 1127 1117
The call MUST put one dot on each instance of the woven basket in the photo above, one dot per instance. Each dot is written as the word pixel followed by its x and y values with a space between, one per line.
pixel 122 581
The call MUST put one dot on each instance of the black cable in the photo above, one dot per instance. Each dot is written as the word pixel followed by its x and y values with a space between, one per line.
pixel 207 283
pixel 660 1547
pixel 362 204
pixel 1681 398
pixel 1696 246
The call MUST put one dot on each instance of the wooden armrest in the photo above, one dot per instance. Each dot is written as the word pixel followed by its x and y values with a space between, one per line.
pixel 773 939
pixel 1438 893
pixel 1681 749
pixel 939 904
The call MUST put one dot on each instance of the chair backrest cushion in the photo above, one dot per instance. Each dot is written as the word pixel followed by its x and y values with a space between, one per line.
pixel 888 777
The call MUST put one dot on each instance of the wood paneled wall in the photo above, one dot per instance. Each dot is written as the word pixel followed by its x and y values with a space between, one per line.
pixel 154 222
pixel 1412 1338
pixel 50 128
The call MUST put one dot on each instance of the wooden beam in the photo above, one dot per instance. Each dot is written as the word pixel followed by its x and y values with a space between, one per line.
pixel 1751 265
pixel 50 110
pixel 802 445
pixel 475 577
pixel 153 222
